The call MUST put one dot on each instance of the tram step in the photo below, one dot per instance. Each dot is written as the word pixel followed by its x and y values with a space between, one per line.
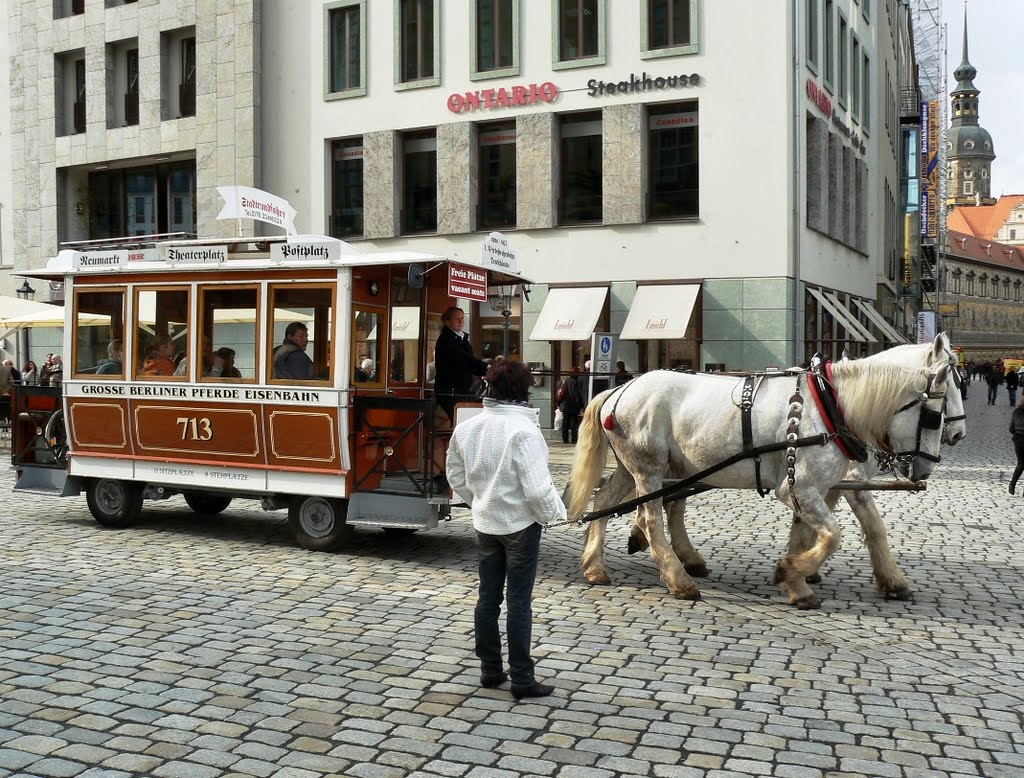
pixel 402 483
pixel 47 480
pixel 391 510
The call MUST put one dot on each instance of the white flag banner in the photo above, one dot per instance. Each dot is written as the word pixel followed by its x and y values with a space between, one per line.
pixel 244 202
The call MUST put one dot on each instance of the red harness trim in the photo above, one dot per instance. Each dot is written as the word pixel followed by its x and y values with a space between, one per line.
pixel 830 424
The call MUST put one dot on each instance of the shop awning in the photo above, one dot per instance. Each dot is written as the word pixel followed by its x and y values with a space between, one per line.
pixel 660 312
pixel 852 317
pixel 839 313
pixel 887 330
pixel 570 314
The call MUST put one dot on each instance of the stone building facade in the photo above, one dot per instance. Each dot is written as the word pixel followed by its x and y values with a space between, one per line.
pixel 126 116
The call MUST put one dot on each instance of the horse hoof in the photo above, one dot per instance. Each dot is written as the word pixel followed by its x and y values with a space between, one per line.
pixel 599 580
pixel 902 593
pixel 634 545
pixel 808 603
pixel 697 571
pixel 692 596
pixel 814 579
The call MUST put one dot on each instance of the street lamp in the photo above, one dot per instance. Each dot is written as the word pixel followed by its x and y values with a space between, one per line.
pixel 26 292
pixel 501 302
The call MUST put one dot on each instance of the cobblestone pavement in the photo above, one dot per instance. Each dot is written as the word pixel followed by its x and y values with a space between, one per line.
pixel 189 648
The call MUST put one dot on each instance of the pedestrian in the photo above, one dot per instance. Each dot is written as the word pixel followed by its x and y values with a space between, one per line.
pixel 621 374
pixel 55 375
pixel 570 403
pixel 1017 434
pixel 497 464
pixel 6 388
pixel 1012 382
pixel 15 373
pixel 993 379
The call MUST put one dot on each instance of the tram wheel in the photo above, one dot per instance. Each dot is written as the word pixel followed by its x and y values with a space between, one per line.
pixel 319 523
pixel 113 503
pixel 207 503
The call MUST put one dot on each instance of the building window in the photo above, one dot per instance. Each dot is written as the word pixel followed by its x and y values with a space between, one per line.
pixel 79 119
pixel 957 281
pixel 1016 290
pixel 417 55
pixel 495 30
pixel 419 182
pixel 968 187
pixel 855 78
pixel 1013 234
pixel 672 164
pixel 843 85
pixel 346 44
pixel 970 282
pixel 142 201
pixel 1006 288
pixel 670 28
pixel 497 175
pixel 865 83
pixel 187 87
pixel 579 33
pixel 830 43
pixel 813 23
pixel 346 218
pixel 968 173
pixel 580 199
pixel 131 95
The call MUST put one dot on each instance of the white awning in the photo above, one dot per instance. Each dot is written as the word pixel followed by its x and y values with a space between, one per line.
pixel 852 318
pixel 570 314
pixel 887 330
pixel 839 313
pixel 660 312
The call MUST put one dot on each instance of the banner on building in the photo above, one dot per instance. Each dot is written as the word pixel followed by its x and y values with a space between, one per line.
pixel 925 326
pixel 929 168
pixel 244 202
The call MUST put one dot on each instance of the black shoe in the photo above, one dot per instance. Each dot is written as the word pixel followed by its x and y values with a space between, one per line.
pixel 439 484
pixel 493 681
pixel 535 689
pixel 1012 486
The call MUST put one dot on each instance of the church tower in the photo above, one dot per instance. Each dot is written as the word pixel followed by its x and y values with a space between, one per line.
pixel 969 148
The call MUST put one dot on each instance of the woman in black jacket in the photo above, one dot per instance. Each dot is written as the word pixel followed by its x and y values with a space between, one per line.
pixel 454 362
pixel 1017 431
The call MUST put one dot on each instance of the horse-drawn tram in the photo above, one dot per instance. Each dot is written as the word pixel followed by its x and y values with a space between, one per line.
pixel 293 370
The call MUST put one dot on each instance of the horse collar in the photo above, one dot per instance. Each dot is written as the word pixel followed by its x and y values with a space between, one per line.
pixel 825 398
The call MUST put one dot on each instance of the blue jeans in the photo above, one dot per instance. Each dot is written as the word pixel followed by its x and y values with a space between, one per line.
pixel 1013 394
pixel 506 563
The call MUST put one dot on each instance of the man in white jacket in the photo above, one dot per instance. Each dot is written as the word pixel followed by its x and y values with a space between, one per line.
pixel 497 464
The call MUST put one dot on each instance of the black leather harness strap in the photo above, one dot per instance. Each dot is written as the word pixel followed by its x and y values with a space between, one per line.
pixel 750 385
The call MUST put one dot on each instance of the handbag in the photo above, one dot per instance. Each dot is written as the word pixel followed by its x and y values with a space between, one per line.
pixel 559 419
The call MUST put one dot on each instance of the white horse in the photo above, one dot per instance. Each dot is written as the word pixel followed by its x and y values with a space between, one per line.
pixel 667 424
pixel 889 578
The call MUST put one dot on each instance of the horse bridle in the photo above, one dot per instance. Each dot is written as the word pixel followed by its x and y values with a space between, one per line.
pixel 930 419
pixel 958 383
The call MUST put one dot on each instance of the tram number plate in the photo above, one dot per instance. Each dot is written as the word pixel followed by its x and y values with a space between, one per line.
pixel 195 429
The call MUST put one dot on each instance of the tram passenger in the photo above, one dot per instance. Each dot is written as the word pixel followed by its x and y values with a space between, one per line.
pixel 290 358
pixel 364 372
pixel 224 364
pixel 55 375
pixel 114 363
pixel 455 363
pixel 158 360
pixel 497 464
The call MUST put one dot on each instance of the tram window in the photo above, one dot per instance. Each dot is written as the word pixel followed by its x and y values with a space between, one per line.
pixel 307 311
pixel 99 333
pixel 228 322
pixel 367 345
pixel 161 333
pixel 405 344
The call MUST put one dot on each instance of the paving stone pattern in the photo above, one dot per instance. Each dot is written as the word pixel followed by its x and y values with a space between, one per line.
pixel 191 648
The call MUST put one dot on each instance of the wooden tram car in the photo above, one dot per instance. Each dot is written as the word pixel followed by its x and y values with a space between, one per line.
pixel 357 444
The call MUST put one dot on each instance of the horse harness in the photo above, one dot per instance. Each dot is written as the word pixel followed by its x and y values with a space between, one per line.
pixel 824 393
pixel 751 384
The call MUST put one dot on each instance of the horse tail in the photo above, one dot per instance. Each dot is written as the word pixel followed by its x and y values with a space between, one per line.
pixel 591 455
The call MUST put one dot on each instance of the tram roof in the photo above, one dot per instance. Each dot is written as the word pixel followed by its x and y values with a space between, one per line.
pixel 161 253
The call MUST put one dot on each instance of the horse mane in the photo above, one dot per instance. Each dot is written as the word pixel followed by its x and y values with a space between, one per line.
pixel 870 394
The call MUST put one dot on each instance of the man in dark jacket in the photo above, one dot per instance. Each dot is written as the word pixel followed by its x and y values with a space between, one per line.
pixel 455 363
pixel 993 378
pixel 570 403
pixel 1012 382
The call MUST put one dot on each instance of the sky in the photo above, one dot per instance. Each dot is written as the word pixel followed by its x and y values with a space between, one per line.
pixel 995 29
